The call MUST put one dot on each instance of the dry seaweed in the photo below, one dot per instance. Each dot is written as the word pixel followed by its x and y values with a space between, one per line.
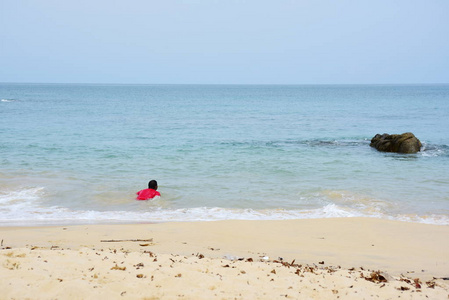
pixel 406 280
pixel 417 283
pixel 376 277
pixel 309 269
pixel 116 267
pixel 430 284
pixel 288 265
pixel 138 266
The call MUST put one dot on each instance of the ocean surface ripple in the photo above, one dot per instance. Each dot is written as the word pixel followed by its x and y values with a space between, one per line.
pixel 74 153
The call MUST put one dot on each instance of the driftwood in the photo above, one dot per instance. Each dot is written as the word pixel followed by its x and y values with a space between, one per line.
pixel 118 241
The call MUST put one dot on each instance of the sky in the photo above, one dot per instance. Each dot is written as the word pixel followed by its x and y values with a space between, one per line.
pixel 224 42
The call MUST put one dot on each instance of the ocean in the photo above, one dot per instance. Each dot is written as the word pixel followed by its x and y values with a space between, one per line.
pixel 78 153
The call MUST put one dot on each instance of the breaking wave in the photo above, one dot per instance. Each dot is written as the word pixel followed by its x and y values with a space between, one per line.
pixel 23 208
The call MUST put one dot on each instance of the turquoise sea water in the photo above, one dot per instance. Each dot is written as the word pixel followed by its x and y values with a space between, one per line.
pixel 74 153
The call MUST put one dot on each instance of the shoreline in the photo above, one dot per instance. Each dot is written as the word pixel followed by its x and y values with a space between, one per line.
pixel 423 220
pixel 332 253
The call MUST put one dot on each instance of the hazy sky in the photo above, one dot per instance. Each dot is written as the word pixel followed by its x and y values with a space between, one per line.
pixel 199 41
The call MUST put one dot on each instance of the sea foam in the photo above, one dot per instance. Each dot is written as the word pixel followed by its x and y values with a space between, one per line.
pixel 21 208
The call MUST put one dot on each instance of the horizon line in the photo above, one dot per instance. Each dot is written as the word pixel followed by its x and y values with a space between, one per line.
pixel 254 84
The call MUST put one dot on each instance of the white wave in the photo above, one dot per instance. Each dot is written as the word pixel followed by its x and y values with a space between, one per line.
pixel 432 153
pixel 32 214
pixel 430 219
pixel 23 196
pixel 433 150
pixel 7 100
pixel 25 206
pixel 24 203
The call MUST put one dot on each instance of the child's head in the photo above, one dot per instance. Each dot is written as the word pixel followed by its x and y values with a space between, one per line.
pixel 152 184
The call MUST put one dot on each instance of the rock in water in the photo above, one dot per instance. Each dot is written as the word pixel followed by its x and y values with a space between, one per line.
pixel 400 143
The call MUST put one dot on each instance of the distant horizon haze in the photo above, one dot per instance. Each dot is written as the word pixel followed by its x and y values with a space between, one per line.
pixel 224 42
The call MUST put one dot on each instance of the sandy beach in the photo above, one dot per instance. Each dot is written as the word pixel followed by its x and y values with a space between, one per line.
pixel 346 258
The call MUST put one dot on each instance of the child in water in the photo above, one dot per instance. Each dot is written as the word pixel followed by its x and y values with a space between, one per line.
pixel 150 192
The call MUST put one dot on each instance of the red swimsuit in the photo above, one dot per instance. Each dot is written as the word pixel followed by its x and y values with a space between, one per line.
pixel 147 194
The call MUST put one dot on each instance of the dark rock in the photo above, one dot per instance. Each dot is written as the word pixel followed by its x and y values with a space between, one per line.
pixel 400 143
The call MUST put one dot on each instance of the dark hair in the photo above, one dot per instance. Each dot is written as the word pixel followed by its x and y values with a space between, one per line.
pixel 152 184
